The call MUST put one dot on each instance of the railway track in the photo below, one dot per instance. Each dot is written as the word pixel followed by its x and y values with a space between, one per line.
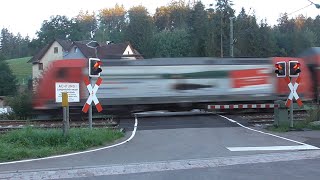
pixel 7 125
pixel 268 118
pixel 252 116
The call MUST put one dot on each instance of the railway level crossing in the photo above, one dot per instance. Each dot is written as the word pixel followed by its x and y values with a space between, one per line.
pixel 294 71
pixel 94 71
pixel 94 68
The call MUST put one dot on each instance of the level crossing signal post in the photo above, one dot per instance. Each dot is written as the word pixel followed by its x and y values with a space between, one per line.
pixel 94 67
pixel 294 71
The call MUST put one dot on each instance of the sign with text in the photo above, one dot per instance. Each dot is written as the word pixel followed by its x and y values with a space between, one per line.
pixel 71 88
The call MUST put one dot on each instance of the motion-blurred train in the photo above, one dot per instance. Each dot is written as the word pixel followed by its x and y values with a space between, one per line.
pixel 176 84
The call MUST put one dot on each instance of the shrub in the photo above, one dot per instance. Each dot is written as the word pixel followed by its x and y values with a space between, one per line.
pixel 21 104
pixel 8 82
pixel 313 114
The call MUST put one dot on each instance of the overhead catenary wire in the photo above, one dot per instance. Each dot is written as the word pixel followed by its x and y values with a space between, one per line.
pixel 300 9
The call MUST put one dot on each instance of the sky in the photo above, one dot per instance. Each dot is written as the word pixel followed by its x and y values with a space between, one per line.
pixel 26 16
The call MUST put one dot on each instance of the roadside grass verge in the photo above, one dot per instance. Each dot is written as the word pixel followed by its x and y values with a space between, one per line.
pixel 30 143
pixel 306 124
pixel 296 126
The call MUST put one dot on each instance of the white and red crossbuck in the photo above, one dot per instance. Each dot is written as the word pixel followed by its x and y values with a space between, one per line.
pixel 92 96
pixel 293 89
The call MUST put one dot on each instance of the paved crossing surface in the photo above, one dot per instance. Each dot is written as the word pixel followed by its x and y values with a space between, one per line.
pixel 164 146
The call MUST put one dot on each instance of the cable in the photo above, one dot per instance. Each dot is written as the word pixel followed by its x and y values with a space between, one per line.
pixel 300 9
pixel 312 2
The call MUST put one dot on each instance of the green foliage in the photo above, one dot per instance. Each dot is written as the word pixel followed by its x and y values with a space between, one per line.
pixel 296 126
pixel 112 24
pixel 82 26
pixel 198 29
pixel 13 46
pixel 37 143
pixel 140 30
pixel 208 31
pixel 313 114
pixel 57 27
pixel 21 104
pixel 7 80
pixel 171 44
pixel 21 69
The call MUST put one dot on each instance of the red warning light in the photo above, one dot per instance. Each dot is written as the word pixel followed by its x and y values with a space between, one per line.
pixel 296 66
pixel 278 66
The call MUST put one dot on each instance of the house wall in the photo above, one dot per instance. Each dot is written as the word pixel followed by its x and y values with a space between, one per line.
pixel 129 51
pixel 47 59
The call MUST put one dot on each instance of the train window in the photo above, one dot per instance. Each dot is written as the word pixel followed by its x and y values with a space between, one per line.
pixel 62 73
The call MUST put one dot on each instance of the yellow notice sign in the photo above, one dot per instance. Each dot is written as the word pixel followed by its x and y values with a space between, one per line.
pixel 65 101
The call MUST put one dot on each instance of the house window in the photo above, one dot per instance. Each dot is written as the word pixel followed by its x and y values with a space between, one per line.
pixel 55 50
pixel 75 49
pixel 40 66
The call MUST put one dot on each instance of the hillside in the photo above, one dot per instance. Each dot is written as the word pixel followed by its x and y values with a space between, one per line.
pixel 21 69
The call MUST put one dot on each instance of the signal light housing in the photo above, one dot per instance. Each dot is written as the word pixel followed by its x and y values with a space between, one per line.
pixel 95 67
pixel 280 69
pixel 294 68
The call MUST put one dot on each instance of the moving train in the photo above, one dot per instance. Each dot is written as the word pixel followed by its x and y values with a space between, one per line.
pixel 177 84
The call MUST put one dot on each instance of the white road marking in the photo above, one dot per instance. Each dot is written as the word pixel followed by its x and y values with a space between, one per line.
pixel 162 166
pixel 302 146
pixel 272 148
pixel 83 152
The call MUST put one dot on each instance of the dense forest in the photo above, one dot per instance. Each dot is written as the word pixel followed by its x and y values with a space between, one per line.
pixel 176 30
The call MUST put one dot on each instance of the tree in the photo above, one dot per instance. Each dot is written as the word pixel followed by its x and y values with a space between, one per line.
pixel 6 44
pixel 266 41
pixel 140 30
pixel 13 46
pixel 223 13
pixel 83 26
pixel 112 23
pixel 57 27
pixel 162 18
pixel 247 35
pixel 316 29
pixel 175 43
pixel 199 30
pixel 8 81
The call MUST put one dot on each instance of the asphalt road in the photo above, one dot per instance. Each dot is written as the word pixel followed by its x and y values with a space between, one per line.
pixel 167 147
pixel 291 170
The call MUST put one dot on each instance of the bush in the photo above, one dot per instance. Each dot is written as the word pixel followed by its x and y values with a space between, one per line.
pixel 8 82
pixel 313 114
pixel 8 116
pixel 21 104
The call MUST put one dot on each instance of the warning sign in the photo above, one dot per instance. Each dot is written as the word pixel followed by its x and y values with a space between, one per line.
pixel 71 88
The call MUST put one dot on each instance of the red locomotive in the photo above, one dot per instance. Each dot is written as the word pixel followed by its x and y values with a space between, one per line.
pixel 175 83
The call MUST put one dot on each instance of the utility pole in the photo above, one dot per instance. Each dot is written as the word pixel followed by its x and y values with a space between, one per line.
pixel 231 36
pixel 221 39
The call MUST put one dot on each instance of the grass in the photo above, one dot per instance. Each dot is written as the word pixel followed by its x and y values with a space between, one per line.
pixel 313 114
pixel 36 143
pixel 296 126
pixel 21 69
